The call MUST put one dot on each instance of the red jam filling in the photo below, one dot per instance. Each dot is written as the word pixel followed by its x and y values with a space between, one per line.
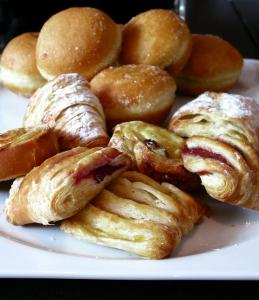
pixel 97 175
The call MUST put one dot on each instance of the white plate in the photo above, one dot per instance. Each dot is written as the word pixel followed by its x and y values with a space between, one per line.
pixel 224 246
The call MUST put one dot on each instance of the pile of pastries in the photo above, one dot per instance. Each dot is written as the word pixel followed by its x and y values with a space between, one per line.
pixel 92 152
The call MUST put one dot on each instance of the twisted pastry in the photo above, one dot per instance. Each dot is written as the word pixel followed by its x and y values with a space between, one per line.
pixel 154 151
pixel 137 214
pixel 68 106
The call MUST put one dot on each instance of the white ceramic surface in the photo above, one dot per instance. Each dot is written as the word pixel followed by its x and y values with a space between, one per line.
pixel 224 246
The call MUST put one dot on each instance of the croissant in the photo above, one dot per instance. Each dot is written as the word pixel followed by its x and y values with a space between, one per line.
pixel 154 151
pixel 223 145
pixel 63 185
pixel 137 214
pixel 75 113
pixel 23 149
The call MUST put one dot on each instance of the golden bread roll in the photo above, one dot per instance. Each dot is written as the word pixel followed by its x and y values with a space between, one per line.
pixel 157 37
pixel 154 151
pixel 214 65
pixel 19 72
pixel 134 92
pixel 137 214
pixel 224 145
pixel 63 185
pixel 80 40
pixel 68 106
pixel 23 149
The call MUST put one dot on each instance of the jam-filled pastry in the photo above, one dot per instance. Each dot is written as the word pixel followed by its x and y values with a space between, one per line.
pixel 68 105
pixel 227 173
pixel 63 185
pixel 154 151
pixel 137 214
pixel 23 149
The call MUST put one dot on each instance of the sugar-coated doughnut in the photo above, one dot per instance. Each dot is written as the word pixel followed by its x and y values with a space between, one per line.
pixel 80 40
pixel 214 65
pixel 134 92
pixel 157 37
pixel 18 65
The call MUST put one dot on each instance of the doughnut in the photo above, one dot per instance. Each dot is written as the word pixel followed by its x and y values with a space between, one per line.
pixel 134 92
pixel 80 40
pixel 214 65
pixel 19 72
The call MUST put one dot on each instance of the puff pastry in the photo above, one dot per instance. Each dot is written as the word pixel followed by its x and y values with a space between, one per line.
pixel 75 113
pixel 137 214
pixel 23 149
pixel 63 185
pixel 154 151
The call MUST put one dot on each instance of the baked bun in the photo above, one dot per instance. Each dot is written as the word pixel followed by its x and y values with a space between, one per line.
pixel 18 65
pixel 80 40
pixel 137 214
pixel 23 149
pixel 63 185
pixel 156 37
pixel 134 92
pixel 154 151
pixel 68 106
pixel 214 65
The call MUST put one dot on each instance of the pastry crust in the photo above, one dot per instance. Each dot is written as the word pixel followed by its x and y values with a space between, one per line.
pixel 84 40
pixel 68 106
pixel 154 151
pixel 23 149
pixel 138 215
pixel 134 92
pixel 19 72
pixel 63 185
pixel 214 65
pixel 157 37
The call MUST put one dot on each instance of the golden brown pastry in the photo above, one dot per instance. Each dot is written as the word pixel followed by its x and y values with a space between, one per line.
pixel 19 72
pixel 154 151
pixel 228 153
pixel 80 40
pixel 134 92
pixel 137 214
pixel 63 185
pixel 68 106
pixel 23 149
pixel 157 37
pixel 214 65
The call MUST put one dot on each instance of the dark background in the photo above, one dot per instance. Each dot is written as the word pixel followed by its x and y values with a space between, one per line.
pixel 236 21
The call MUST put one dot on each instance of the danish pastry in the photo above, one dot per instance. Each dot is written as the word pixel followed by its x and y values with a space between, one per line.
pixel 137 214
pixel 157 37
pixel 19 72
pixel 23 149
pixel 63 185
pixel 68 106
pixel 154 151
pixel 80 40
pixel 214 65
pixel 134 92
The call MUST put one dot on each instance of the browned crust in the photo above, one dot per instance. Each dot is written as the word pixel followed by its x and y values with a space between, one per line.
pixel 18 159
pixel 25 91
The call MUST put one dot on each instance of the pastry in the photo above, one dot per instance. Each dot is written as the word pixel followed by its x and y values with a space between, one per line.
pixel 137 214
pixel 154 151
pixel 19 72
pixel 223 145
pixel 80 40
pixel 157 37
pixel 23 149
pixel 214 65
pixel 68 106
pixel 63 185
pixel 134 92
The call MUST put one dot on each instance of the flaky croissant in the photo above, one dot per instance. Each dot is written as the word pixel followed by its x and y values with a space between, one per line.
pixel 68 106
pixel 137 214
